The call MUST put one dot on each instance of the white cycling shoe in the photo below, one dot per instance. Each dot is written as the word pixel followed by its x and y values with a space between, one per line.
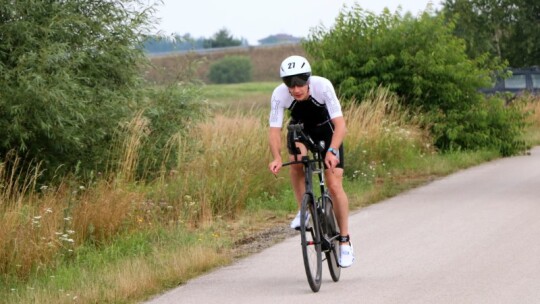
pixel 295 224
pixel 346 255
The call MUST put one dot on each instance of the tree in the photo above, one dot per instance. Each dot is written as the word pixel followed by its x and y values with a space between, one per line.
pixel 231 69
pixel 509 29
pixel 70 75
pixel 162 44
pixel 523 47
pixel 222 39
pixel 279 38
pixel 422 61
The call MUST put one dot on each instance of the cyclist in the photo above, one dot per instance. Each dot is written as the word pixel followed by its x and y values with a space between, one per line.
pixel 312 101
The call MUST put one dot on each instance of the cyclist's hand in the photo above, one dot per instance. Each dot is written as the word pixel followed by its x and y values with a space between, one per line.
pixel 331 161
pixel 274 166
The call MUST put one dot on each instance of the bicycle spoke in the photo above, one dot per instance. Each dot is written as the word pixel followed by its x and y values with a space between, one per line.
pixel 311 245
pixel 331 233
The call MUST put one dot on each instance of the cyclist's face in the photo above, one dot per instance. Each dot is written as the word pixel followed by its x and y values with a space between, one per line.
pixel 299 92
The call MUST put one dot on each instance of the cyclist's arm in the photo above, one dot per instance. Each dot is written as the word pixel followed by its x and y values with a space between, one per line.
pixel 334 110
pixel 340 130
pixel 274 136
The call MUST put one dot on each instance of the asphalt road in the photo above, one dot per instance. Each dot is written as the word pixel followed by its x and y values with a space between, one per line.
pixel 472 237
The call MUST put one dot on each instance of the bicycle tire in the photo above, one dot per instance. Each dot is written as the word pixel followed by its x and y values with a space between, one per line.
pixel 311 242
pixel 332 231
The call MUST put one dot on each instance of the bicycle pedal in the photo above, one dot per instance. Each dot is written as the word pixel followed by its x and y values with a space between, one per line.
pixel 325 247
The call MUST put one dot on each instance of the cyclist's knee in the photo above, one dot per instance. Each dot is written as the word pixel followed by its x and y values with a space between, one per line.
pixel 334 183
pixel 335 186
pixel 297 169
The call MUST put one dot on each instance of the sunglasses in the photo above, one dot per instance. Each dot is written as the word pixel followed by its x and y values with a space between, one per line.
pixel 296 80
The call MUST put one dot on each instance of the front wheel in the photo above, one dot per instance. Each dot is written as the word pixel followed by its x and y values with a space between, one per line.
pixel 332 234
pixel 311 242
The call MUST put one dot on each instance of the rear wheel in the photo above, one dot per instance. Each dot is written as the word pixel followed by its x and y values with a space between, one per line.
pixel 311 242
pixel 331 234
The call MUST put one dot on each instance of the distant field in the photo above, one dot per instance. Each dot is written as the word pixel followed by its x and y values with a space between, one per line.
pixel 244 97
pixel 184 66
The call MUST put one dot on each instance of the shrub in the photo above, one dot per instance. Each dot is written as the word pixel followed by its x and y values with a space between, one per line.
pixel 70 73
pixel 231 69
pixel 382 134
pixel 165 116
pixel 72 88
pixel 425 64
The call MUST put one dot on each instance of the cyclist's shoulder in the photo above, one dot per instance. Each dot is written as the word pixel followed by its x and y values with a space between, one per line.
pixel 281 95
pixel 280 90
pixel 321 88
pixel 320 85
pixel 319 81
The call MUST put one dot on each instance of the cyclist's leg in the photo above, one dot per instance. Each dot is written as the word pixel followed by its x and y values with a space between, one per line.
pixel 341 209
pixel 297 174
pixel 296 171
pixel 334 182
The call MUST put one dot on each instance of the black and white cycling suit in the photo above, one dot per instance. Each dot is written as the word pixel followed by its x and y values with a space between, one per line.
pixel 316 113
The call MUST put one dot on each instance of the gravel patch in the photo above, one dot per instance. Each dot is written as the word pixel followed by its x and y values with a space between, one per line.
pixel 261 240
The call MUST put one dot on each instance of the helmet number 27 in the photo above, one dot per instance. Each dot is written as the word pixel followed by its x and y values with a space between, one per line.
pixel 292 65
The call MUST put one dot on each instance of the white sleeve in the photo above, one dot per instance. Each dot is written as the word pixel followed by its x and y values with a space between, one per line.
pixel 331 101
pixel 276 112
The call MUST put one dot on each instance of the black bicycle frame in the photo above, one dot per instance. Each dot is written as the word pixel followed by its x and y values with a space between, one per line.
pixel 310 165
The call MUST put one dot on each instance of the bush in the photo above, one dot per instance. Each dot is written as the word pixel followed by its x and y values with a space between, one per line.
pixel 72 89
pixel 425 64
pixel 168 114
pixel 231 69
pixel 70 74
pixel 488 124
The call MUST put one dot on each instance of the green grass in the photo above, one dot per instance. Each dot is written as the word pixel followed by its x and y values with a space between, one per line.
pixel 88 278
pixel 230 92
pixel 282 202
pixel 243 97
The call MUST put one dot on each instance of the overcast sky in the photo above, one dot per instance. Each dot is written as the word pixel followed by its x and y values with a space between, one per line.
pixel 254 20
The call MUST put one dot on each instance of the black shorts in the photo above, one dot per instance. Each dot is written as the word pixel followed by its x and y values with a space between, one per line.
pixel 318 134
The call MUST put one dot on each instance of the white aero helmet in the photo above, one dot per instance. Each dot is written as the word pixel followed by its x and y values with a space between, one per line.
pixel 294 65
pixel 295 71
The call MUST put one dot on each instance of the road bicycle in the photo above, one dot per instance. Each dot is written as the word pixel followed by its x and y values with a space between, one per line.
pixel 320 233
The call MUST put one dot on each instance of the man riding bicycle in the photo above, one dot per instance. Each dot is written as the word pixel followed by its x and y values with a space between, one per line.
pixel 312 101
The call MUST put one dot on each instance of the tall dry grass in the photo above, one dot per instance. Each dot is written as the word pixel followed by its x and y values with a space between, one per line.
pixel 28 221
pixel 223 166
pixel 382 134
pixel 137 131
pixel 40 228
pixel 531 106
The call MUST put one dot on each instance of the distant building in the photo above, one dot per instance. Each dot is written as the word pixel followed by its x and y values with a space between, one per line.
pixel 279 38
